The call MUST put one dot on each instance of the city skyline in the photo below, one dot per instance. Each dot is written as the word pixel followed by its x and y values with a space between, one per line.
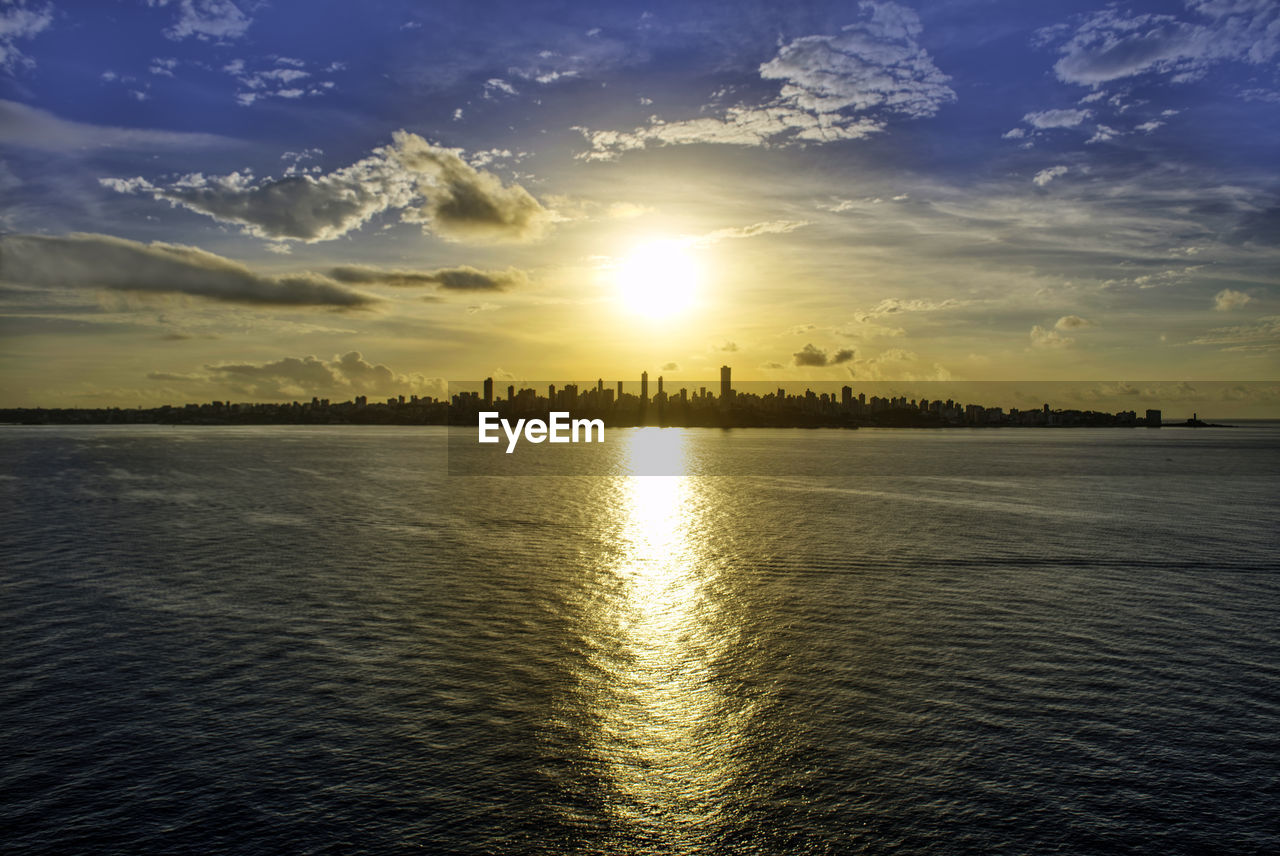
pixel 210 201
pixel 950 403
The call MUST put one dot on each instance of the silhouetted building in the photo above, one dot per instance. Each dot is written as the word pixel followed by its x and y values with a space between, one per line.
pixel 726 388
pixel 644 386
pixel 1153 418
pixel 488 390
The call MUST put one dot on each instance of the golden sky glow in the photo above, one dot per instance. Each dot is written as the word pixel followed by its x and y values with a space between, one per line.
pixel 222 210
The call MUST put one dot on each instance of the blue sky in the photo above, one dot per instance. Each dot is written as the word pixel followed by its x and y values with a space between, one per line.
pixel 211 199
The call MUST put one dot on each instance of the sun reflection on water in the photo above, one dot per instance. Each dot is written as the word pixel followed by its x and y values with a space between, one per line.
pixel 666 735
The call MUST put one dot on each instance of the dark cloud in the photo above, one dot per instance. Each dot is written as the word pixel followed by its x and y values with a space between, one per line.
pixel 811 356
pixel 101 261
pixel 461 278
pixel 348 374
pixel 427 184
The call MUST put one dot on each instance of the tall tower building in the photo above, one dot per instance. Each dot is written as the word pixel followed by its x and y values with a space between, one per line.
pixel 644 386
pixel 726 388
pixel 619 390
pixel 659 384
pixel 488 391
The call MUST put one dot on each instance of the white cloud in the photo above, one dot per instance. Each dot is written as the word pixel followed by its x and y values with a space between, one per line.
pixel 1228 299
pixel 1056 118
pixel 770 227
pixel 163 66
pixel 496 85
pixel 427 184
pixel 1104 133
pixel 834 87
pixel 1112 44
pixel 1072 322
pixel 1042 338
pixel 18 21
pixel 1045 176
pixel 874 63
pixel 895 306
pixel 284 77
pixel 207 20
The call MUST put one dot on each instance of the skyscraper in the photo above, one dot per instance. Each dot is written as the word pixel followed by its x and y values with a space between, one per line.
pixel 488 391
pixel 726 388
pixel 644 386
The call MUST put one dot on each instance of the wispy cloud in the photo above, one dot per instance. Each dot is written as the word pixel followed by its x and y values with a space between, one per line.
pixel 20 21
pixel 207 20
pixel 31 127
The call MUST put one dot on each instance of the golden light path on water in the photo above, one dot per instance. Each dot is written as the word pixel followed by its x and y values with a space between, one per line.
pixel 666 735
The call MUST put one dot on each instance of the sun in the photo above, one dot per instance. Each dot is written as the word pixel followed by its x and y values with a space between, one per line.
pixel 658 280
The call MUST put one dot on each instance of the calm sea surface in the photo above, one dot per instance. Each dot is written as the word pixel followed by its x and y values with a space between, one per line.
pixel 316 640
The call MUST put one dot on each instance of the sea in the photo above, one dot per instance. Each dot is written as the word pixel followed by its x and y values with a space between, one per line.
pixel 349 640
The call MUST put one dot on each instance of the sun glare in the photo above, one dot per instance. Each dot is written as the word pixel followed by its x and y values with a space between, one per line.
pixel 658 280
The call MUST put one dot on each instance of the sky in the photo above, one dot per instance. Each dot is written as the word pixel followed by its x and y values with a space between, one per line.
pixel 266 201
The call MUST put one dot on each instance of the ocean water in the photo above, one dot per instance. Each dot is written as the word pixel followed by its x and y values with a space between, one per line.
pixel 319 640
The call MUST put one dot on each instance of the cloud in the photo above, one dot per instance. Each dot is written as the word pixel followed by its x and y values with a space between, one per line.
pixel 1072 322
pixel 1056 118
pixel 428 184
pixel 811 356
pixel 31 127
pixel 1112 44
pixel 1228 299
pixel 461 278
pixel 874 63
pixel 671 367
pixel 207 20
pixel 833 87
pixel 101 261
pixel 20 21
pixel 1045 176
pixel 1262 336
pixel 284 77
pixel 894 305
pixel 726 347
pixel 348 374
pixel 770 227
pixel 1042 338
pixel 495 85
